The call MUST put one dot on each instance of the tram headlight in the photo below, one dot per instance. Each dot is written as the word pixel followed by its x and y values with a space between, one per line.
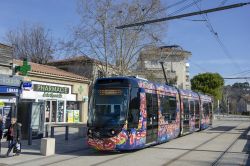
pixel 90 131
pixel 112 132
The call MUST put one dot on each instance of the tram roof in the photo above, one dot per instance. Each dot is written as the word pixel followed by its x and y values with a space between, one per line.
pixel 189 93
pixel 139 82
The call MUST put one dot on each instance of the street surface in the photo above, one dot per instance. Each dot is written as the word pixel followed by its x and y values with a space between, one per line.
pixel 223 144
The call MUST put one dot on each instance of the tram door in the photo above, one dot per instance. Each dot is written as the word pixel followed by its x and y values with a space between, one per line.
pixel 152 118
pixel 186 116
pixel 197 115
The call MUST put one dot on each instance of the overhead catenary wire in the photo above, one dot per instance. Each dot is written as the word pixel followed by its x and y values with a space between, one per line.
pixel 170 6
pixel 184 8
pixel 183 15
pixel 240 73
pixel 216 36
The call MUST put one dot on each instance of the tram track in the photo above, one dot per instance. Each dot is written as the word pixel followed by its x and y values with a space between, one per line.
pixel 217 161
pixel 126 154
pixel 92 153
pixel 200 145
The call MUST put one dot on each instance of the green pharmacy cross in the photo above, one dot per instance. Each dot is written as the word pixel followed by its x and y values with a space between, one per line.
pixel 25 68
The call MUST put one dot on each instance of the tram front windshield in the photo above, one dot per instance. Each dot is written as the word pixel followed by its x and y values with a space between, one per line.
pixel 108 107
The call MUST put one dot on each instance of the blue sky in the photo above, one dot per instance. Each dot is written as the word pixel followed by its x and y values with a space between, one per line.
pixel 232 26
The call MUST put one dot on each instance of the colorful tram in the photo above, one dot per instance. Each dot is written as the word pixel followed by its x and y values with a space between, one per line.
pixel 129 113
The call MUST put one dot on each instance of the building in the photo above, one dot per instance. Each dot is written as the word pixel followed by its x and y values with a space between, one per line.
pixel 174 60
pixel 51 96
pixel 85 66
pixel 9 85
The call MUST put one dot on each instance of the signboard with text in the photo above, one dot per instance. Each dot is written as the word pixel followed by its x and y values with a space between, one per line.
pixel 43 91
pixel 6 89
pixel 10 80
pixel 49 88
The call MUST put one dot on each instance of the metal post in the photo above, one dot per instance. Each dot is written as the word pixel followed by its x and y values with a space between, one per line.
pixel 46 131
pixel 67 133
pixel 52 132
pixel 164 73
pixel 30 126
pixel 218 106
pixel 30 136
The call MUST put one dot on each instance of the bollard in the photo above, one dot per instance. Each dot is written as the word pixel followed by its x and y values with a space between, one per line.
pixel 30 136
pixel 67 133
pixel 47 146
pixel 52 132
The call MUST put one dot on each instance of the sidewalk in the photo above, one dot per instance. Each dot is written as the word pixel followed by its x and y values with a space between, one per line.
pixel 32 152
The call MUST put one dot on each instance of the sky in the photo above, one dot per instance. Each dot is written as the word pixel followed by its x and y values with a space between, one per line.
pixel 232 27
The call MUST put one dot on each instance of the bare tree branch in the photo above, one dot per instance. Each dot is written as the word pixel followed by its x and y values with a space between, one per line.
pixel 32 42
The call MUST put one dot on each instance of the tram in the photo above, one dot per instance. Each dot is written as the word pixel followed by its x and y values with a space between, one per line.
pixel 128 113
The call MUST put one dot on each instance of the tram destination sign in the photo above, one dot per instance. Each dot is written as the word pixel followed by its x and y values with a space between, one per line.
pixel 107 92
pixel 49 88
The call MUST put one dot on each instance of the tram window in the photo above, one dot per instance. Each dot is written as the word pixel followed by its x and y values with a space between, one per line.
pixel 152 103
pixel 186 106
pixel 205 109
pixel 134 108
pixel 173 106
pixel 210 107
pixel 192 108
pixel 197 108
pixel 168 105
pixel 165 107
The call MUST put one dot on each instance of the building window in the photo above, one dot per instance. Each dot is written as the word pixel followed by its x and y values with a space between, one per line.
pixel 154 62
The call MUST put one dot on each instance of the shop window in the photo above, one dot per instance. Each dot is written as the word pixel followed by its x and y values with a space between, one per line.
pixel 72 112
pixel 60 111
pixel 47 111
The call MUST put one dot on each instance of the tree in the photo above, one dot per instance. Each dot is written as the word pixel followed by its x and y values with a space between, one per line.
pixel 32 42
pixel 97 36
pixel 241 85
pixel 209 83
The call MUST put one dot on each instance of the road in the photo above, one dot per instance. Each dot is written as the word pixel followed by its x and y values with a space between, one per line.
pixel 224 144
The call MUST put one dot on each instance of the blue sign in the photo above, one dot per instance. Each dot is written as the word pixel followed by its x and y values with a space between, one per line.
pixel 6 89
pixel 27 84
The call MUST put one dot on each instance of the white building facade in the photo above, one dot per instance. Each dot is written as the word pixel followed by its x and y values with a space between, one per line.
pixel 175 62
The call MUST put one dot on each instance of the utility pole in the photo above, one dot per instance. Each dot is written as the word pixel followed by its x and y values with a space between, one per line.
pixel 164 73
pixel 183 15
pixel 218 106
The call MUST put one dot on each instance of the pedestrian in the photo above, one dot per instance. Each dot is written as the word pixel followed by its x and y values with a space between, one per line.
pixel 14 137
pixel 1 130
